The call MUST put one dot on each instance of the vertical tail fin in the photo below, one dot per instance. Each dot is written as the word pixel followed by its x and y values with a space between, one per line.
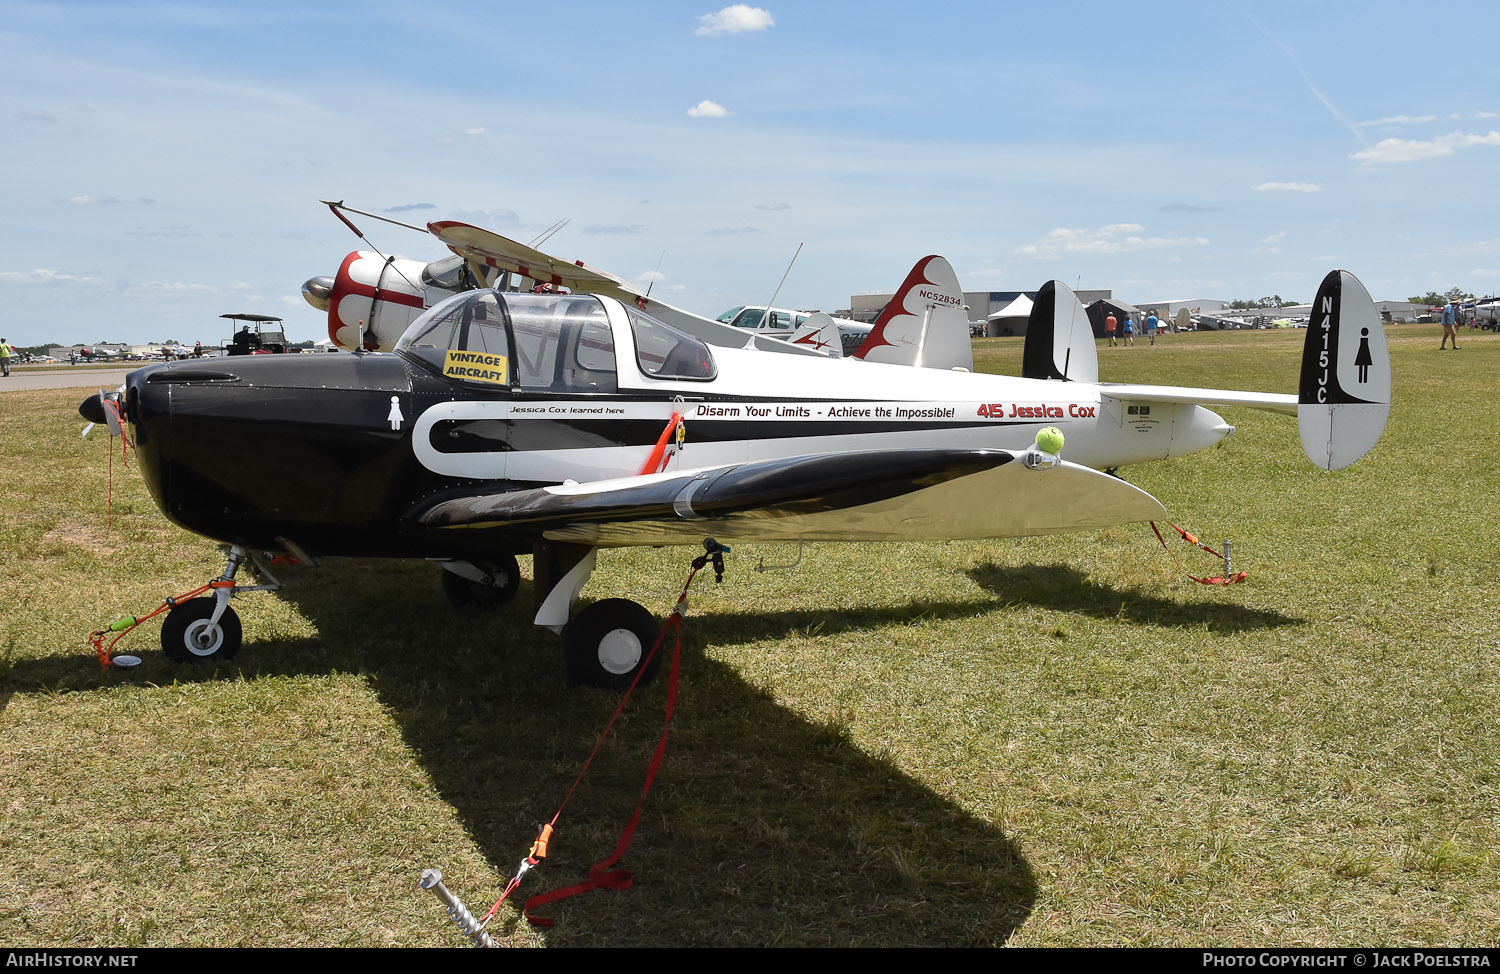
pixel 1059 338
pixel 1344 396
pixel 819 332
pixel 925 324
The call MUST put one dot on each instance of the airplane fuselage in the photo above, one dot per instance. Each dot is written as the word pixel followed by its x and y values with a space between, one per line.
pixel 334 453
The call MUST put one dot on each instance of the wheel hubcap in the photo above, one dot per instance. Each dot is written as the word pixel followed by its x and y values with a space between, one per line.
pixel 619 651
pixel 203 638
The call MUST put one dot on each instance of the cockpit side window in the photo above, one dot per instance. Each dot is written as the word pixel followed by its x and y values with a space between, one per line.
pixel 563 343
pixel 663 352
pixel 749 318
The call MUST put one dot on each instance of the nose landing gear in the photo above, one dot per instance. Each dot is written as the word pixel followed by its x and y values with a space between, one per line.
pixel 192 634
pixel 207 629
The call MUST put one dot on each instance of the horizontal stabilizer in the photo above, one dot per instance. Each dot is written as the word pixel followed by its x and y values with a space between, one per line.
pixel 893 495
pixel 1344 397
pixel 1131 392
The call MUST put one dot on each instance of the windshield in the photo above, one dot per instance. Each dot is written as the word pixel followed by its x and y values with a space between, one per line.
pixel 450 274
pixel 749 318
pixel 728 316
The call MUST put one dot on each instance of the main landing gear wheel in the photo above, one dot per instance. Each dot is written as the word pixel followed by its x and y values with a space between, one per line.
pixel 606 644
pixel 471 594
pixel 188 637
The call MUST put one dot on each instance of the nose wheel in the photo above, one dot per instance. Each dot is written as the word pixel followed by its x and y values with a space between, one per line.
pixel 606 644
pixel 191 635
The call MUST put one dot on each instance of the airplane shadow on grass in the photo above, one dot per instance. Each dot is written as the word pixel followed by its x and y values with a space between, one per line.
pixel 1066 589
pixel 763 827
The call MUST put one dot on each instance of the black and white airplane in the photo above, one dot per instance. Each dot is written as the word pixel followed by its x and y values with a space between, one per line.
pixel 560 424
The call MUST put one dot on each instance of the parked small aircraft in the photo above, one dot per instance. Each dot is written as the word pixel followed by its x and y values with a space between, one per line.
pixel 797 325
pixel 559 424
pixel 373 299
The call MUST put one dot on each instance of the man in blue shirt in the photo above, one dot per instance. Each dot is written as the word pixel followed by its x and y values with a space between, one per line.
pixel 1151 324
pixel 1450 324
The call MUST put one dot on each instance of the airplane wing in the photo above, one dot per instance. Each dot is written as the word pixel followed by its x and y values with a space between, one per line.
pixel 480 245
pixel 474 243
pixel 896 495
pixel 1127 392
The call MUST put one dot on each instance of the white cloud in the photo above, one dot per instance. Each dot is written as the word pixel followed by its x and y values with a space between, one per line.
pixel 1274 238
pixel 708 109
pixel 1400 120
pixel 1117 238
pixel 773 206
pixel 650 276
pixel 45 275
pixel 987 272
pixel 735 19
pixel 1287 188
pixel 1486 115
pixel 174 287
pixel 89 200
pixel 1411 150
pixel 480 130
pixel 1487 272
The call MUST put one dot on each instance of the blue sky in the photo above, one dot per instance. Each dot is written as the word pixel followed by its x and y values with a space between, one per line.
pixel 165 160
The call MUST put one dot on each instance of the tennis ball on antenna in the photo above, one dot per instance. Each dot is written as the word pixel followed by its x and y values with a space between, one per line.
pixel 1049 439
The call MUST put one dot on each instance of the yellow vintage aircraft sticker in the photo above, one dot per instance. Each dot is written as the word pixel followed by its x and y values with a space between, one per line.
pixel 477 367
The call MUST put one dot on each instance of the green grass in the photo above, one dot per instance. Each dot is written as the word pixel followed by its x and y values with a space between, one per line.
pixel 1051 741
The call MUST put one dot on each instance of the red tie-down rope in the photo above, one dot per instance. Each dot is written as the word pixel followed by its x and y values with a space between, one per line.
pixel 602 875
pixel 659 455
pixel 1193 540
pixel 113 407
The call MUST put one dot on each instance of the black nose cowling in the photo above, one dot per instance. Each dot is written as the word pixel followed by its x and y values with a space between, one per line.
pixel 92 409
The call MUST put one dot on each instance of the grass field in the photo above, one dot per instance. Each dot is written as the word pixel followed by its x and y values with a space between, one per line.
pixel 1039 742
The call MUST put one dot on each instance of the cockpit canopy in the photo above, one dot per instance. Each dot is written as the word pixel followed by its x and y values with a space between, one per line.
pixel 560 343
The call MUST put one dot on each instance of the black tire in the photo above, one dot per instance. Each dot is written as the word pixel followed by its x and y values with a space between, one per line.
pixel 186 636
pixel 606 644
pixel 472 595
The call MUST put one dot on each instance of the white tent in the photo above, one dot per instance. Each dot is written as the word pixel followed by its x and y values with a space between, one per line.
pixel 1019 308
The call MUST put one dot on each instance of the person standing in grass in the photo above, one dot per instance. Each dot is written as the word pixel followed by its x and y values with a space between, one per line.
pixel 1109 328
pixel 5 353
pixel 1129 331
pixel 1450 324
pixel 1151 326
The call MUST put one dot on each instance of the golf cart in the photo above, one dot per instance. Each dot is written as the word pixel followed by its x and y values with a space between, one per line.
pixel 253 337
